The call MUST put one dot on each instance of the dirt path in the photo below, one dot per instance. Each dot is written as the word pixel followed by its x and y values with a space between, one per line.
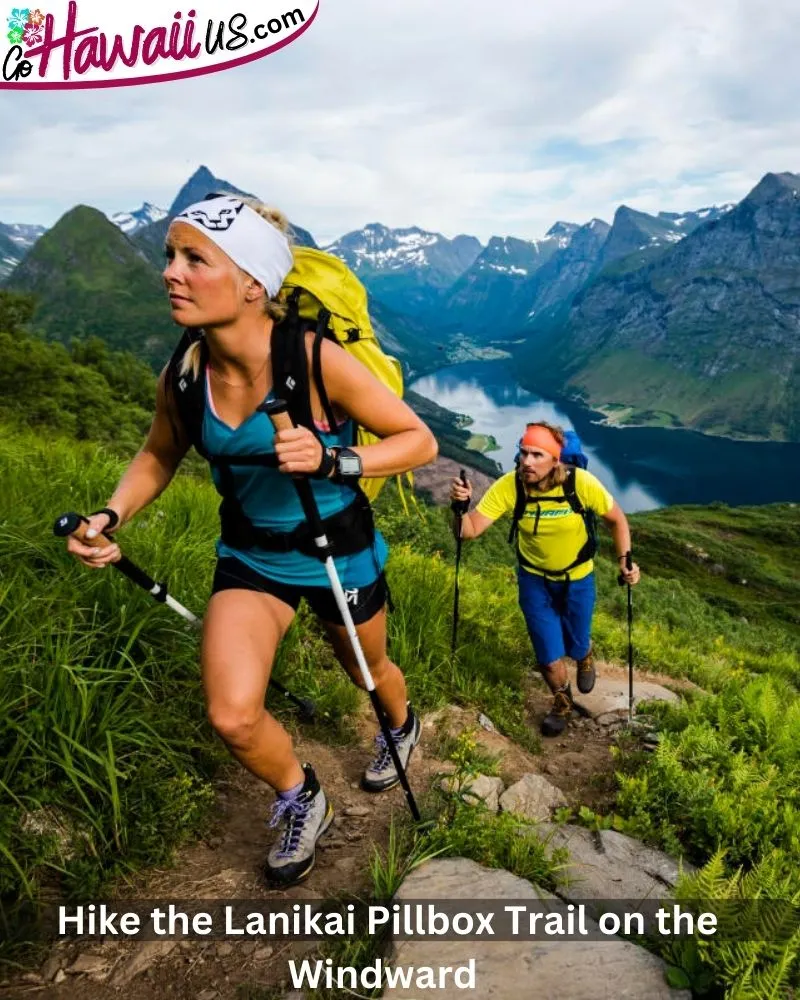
pixel 225 865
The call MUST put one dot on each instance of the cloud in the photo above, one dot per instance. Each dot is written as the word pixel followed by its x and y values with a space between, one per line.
pixel 459 116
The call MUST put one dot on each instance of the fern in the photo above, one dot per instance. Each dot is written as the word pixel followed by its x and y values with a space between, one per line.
pixel 755 952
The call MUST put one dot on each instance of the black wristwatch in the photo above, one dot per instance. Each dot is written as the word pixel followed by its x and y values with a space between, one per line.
pixel 348 466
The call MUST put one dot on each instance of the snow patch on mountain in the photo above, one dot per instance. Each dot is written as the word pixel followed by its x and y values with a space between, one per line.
pixel 21 234
pixel 378 248
pixel 130 222
pixel 507 269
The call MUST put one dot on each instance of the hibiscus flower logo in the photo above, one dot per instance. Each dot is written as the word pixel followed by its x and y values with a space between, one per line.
pixel 18 18
pixel 25 25
pixel 33 34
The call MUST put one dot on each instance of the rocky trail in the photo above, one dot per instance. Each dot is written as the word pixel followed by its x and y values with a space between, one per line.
pixel 574 769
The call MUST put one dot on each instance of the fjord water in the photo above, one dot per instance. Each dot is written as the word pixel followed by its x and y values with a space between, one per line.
pixel 643 467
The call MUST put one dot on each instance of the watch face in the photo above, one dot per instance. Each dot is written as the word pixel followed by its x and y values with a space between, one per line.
pixel 349 465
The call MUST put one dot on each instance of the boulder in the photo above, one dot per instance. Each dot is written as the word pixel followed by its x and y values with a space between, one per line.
pixel 610 694
pixel 609 969
pixel 532 797
pixel 607 865
pixel 486 723
pixel 477 788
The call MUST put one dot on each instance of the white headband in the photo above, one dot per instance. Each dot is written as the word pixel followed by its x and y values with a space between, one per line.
pixel 248 239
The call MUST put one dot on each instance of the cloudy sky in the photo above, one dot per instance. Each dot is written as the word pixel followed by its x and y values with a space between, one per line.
pixel 456 115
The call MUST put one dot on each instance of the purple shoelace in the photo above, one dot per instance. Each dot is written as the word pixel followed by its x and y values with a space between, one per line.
pixel 383 757
pixel 296 811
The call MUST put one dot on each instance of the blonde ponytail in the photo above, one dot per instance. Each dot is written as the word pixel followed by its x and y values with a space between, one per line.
pixel 190 362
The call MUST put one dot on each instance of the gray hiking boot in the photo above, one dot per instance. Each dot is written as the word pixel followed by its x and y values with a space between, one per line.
pixel 381 773
pixel 306 818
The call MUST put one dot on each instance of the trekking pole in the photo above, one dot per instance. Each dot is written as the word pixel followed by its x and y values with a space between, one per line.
pixel 278 413
pixel 621 582
pixel 76 524
pixel 459 508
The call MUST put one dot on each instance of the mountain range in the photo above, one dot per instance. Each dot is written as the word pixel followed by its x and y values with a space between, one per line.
pixel 15 241
pixel 704 336
pixel 678 319
pixel 406 268
pixel 91 278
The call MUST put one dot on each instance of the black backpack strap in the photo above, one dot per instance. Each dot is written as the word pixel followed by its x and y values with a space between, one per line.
pixel 290 365
pixel 571 493
pixel 185 393
pixel 589 517
pixel 316 368
pixel 519 507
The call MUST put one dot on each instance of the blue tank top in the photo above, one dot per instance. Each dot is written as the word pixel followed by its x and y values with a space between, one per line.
pixel 269 500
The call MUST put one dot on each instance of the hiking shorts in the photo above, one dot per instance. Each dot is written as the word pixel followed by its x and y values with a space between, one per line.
pixel 558 615
pixel 364 602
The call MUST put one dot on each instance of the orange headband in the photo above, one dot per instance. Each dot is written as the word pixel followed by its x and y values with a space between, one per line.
pixel 541 437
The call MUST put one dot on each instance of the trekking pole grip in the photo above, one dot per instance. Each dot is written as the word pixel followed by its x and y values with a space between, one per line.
pixel 278 412
pixel 628 566
pixel 77 526
pixel 461 507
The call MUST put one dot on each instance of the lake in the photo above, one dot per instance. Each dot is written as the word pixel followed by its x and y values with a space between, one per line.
pixel 643 467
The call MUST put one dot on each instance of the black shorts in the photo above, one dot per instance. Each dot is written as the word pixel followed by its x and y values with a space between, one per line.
pixel 363 602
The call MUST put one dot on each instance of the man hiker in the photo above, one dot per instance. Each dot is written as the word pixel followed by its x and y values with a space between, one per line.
pixel 553 505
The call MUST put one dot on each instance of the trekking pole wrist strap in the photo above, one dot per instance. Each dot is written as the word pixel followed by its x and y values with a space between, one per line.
pixel 112 515
pixel 327 463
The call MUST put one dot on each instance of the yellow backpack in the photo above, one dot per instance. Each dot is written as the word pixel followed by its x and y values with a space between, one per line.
pixel 323 294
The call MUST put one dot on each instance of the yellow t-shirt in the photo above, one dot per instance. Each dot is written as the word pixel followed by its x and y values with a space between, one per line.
pixel 560 533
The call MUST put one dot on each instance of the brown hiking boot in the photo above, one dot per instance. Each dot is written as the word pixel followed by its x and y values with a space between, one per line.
pixel 555 722
pixel 586 673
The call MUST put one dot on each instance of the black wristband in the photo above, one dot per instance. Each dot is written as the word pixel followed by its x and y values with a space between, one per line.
pixel 326 463
pixel 112 515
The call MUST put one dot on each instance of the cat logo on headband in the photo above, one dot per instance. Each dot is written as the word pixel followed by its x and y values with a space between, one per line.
pixel 217 219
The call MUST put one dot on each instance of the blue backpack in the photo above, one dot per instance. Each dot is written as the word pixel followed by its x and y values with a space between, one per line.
pixel 572 455
pixel 572 451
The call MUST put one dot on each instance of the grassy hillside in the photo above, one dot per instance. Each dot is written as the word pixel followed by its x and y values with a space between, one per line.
pixel 89 280
pixel 106 759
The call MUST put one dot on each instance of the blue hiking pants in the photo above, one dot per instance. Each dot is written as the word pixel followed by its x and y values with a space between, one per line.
pixel 558 615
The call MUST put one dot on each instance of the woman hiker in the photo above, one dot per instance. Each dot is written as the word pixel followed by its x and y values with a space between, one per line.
pixel 225 263
pixel 554 551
